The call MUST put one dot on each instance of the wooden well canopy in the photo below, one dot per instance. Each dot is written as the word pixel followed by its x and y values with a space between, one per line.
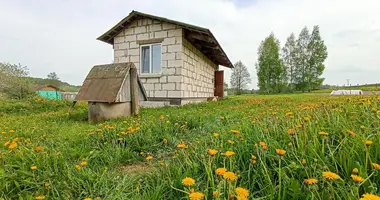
pixel 107 83
pixel 201 38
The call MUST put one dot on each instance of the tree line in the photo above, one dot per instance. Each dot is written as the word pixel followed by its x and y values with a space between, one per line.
pixel 297 66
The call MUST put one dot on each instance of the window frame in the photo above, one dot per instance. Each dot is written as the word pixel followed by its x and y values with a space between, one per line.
pixel 150 59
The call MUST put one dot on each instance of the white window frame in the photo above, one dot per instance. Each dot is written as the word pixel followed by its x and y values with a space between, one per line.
pixel 150 59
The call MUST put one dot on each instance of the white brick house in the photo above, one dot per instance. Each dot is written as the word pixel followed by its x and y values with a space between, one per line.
pixel 177 62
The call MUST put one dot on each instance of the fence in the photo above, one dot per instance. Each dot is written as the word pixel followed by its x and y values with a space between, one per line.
pixel 69 96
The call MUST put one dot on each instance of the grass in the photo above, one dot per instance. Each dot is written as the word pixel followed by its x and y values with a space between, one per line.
pixel 47 153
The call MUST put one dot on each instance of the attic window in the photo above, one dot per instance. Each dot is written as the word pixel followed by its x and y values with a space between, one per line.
pixel 150 58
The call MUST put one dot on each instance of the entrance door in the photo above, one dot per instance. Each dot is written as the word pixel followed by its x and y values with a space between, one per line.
pixel 219 84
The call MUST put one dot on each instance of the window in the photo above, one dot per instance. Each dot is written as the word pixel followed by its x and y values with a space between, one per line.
pixel 150 59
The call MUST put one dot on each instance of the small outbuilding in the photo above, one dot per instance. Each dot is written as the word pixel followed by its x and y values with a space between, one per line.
pixel 346 92
pixel 50 92
pixel 112 90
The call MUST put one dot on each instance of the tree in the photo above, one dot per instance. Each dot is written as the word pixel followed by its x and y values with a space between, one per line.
pixel 13 82
pixel 53 76
pixel 302 59
pixel 240 77
pixel 318 54
pixel 270 69
pixel 289 54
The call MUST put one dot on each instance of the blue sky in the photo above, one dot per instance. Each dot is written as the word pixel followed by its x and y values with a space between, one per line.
pixel 61 36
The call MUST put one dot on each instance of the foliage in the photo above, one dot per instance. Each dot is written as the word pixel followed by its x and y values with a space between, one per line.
pixel 270 69
pixel 13 83
pixel 273 147
pixel 57 83
pixel 289 58
pixel 240 77
pixel 53 76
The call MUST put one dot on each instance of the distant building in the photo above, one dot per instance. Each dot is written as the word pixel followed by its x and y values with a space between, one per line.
pixel 50 92
pixel 176 62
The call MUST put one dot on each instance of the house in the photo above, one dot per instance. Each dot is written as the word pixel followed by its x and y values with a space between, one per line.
pixel 176 62
pixel 50 92
pixel 112 90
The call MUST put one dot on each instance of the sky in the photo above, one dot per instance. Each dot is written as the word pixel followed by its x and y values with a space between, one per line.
pixel 60 35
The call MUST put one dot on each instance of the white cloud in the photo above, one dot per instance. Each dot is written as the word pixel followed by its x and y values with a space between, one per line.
pixel 61 36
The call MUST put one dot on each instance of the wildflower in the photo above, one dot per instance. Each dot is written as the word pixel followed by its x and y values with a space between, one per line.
pixel 330 175
pixel 149 158
pixel 230 142
pixel 215 194
pixel 87 198
pixel 299 126
pixel 253 157
pixel 242 192
pixel 221 171
pixel 212 152
pixel 303 162
pixel 357 178
pixel 280 152
pixel 221 118
pixel 7 143
pixel 77 167
pixel 196 196
pixel 368 142
pixel 239 197
pixel 11 131
pixel 162 117
pixel 181 145
pixel 165 141
pixel 355 171
pixel 188 181
pixel 229 176
pixel 216 134
pixel 83 163
pixel 40 197
pixel 351 132
pixel 46 184
pixel 322 133
pixel 33 168
pixel 235 131
pixel 370 197
pixel 310 181
pixel 12 145
pixel 263 145
pixel 376 166
pixel 290 131
pixel 229 153
pixel 306 119
pixel 362 127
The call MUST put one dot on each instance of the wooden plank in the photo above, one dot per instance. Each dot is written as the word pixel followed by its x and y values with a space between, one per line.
pixel 134 91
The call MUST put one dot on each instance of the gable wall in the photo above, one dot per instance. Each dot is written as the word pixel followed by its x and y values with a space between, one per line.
pixel 127 49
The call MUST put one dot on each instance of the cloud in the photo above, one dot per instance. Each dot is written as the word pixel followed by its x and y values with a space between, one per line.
pixel 60 35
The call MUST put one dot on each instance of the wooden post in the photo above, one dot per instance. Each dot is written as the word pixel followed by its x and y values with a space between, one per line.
pixel 134 91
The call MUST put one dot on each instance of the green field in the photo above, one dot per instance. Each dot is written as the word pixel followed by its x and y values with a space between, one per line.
pixel 272 147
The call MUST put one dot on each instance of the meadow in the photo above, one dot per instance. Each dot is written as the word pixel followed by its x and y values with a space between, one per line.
pixel 245 147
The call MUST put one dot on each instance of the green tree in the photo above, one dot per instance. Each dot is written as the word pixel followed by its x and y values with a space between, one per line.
pixel 270 69
pixel 240 77
pixel 289 54
pixel 53 76
pixel 302 58
pixel 318 54
pixel 13 83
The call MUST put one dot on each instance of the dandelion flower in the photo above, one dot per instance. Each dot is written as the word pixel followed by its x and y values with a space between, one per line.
pixel 322 133
pixel 188 181
pixel 368 142
pixel 181 145
pixel 40 197
pixel 221 171
pixel 306 119
pixel 38 149
pixel 230 142
pixel 290 131
pixel 263 145
pixel 303 162
pixel 355 171
pixel 77 167
pixel 165 141
pixel 149 158
pixel 330 175
pixel 215 194
pixel 241 192
pixel 215 134
pixel 229 176
pixel 33 168
pixel 253 157
pixel 83 163
pixel 12 145
pixel 212 152
pixel 7 143
pixel 88 198
pixel 235 131
pixel 370 197
pixel 196 196
pixel 351 132
pixel 376 166
pixel 280 152
pixel 310 181
pixel 357 178
pixel 229 153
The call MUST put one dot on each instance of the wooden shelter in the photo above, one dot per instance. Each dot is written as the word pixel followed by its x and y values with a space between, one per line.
pixel 112 90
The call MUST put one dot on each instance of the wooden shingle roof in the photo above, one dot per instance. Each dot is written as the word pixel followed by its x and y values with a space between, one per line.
pixel 200 37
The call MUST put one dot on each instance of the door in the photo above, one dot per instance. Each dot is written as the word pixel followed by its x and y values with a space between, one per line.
pixel 219 83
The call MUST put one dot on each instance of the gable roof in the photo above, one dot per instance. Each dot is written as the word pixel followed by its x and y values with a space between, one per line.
pixel 201 38
pixel 103 83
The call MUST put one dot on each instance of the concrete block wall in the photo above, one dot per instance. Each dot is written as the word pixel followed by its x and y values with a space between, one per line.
pixel 198 72
pixel 127 49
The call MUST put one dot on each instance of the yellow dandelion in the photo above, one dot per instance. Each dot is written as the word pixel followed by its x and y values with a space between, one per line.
pixel 165 141
pixel 303 162
pixel 12 145
pixel 215 134
pixel 83 163
pixel 212 152
pixel 188 181
pixel 230 142
pixel 322 133
pixel 355 171
pixel 77 167
pixel 241 192
pixel 351 132
pixel 253 157
pixel 290 131
pixel 310 181
pixel 376 166
pixel 235 131
pixel 306 119
pixel 34 168
pixel 7 143
pixel 357 178
pixel 215 194
pixel 196 196
pixel 330 175
pixel 221 171
pixel 88 198
pixel 229 176
pixel 149 158
pixel 370 197
pixel 368 142
pixel 280 152
pixel 181 145
pixel 40 197
pixel 229 153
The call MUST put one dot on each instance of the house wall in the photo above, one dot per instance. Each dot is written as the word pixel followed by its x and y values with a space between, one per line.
pixel 198 72
pixel 127 49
